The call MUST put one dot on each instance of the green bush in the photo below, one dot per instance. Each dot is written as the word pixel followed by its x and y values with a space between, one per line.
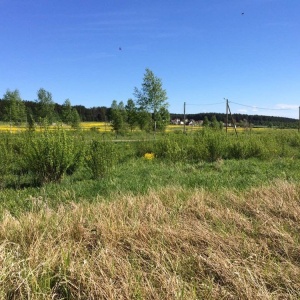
pixel 214 144
pixel 101 157
pixel 51 154
pixel 256 148
pixel 171 147
pixel 144 147
pixel 236 149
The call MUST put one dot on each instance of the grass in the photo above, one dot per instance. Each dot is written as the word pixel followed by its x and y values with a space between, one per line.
pixel 138 176
pixel 181 225
pixel 169 244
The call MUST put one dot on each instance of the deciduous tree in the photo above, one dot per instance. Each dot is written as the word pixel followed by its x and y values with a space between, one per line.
pixel 118 117
pixel 131 112
pixel 152 97
pixel 15 110
pixel 45 106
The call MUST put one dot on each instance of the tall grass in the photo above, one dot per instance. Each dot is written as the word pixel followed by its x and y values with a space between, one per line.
pixel 30 158
pixel 211 216
pixel 50 155
pixel 169 244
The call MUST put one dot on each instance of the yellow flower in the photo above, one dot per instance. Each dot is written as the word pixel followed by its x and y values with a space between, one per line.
pixel 149 156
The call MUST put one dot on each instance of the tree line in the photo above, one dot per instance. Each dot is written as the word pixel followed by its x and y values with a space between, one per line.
pixel 43 111
pixel 148 111
pixel 242 120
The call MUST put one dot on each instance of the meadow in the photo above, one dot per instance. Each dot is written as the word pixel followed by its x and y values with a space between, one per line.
pixel 86 214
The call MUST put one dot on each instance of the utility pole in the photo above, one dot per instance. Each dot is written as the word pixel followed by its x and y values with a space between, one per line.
pixel 10 117
pixel 233 122
pixel 299 120
pixel 226 115
pixel 183 117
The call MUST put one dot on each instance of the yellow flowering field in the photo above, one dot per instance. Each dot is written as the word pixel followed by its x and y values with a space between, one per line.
pixel 99 126
pixel 106 127
pixel 7 128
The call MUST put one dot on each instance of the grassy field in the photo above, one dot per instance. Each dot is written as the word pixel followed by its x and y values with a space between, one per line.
pixel 106 127
pixel 196 216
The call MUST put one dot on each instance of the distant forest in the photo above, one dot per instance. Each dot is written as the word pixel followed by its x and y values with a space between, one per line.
pixel 103 114
pixel 242 119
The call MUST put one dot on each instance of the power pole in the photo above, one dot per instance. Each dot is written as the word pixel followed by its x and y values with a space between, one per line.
pixel 183 117
pixel 226 115
pixel 233 122
pixel 299 120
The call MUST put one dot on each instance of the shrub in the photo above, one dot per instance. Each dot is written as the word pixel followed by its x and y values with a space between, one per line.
pixel 171 147
pixel 144 147
pixel 51 154
pixel 236 150
pixel 214 144
pixel 101 157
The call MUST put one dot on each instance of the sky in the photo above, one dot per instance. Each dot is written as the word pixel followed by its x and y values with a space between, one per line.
pixel 204 51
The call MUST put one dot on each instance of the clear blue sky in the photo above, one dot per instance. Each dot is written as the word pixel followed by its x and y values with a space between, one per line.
pixel 203 50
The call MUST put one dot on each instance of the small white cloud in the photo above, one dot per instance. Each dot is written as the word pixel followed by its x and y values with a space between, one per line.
pixel 287 106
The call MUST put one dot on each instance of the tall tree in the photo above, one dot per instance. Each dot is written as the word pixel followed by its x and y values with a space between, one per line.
pixel 15 110
pixel 75 119
pixel 151 97
pixel 162 118
pixel 214 122
pixel 46 106
pixel 205 122
pixel 66 112
pixel 131 114
pixel 118 117
pixel 144 120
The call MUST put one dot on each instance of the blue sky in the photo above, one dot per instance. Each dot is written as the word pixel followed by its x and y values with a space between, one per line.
pixel 203 51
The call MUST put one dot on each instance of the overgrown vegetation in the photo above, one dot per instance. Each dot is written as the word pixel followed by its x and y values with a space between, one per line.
pixel 37 158
pixel 202 215
pixel 170 244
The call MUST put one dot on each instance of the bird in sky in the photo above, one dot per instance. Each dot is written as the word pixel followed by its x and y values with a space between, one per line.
pixel 242 13
pixel 120 48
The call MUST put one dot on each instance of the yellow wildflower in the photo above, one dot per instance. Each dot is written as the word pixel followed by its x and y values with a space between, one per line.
pixel 149 156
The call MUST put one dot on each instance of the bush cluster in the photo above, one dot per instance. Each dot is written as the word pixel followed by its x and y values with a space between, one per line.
pixel 37 158
pixel 211 145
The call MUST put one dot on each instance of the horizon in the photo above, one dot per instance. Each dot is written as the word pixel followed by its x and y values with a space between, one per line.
pixel 182 113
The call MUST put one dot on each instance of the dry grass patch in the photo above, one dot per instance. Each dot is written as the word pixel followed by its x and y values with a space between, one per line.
pixel 171 244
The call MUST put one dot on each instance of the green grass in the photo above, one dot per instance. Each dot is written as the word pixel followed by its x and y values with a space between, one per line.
pixel 210 217
pixel 174 243
pixel 138 176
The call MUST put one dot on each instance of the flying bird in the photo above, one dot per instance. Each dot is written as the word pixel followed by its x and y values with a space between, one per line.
pixel 120 48
pixel 242 13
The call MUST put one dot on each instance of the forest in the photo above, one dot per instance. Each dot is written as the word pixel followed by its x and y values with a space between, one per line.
pixel 103 114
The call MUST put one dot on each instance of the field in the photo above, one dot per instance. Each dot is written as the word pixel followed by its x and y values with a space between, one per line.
pixel 202 215
pixel 106 127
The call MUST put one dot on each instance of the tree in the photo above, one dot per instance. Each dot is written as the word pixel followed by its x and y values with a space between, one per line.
pixel 162 118
pixel 118 117
pixel 214 123
pixel 152 97
pixel 131 112
pixel 66 113
pixel 75 119
pixel 144 120
pixel 30 122
pixel 15 110
pixel 45 106
pixel 221 125
pixel 205 122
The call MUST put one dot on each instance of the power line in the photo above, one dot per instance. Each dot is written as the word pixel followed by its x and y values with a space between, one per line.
pixel 256 107
pixel 190 104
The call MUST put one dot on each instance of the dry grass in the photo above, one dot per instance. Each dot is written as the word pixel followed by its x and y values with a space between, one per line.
pixel 171 244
